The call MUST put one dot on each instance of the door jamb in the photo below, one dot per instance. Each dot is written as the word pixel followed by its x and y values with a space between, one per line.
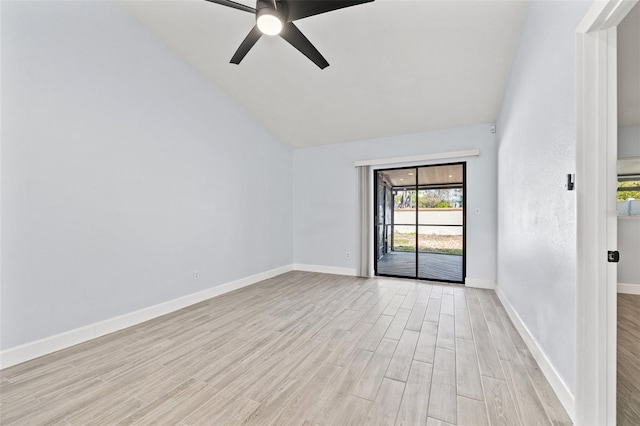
pixel 596 148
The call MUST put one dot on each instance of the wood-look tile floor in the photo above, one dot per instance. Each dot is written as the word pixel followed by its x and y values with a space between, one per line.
pixel 301 348
pixel 628 360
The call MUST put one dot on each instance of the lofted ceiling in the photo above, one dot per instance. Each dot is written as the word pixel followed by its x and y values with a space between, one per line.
pixel 396 66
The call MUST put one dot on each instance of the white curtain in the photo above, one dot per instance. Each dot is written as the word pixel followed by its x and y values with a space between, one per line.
pixel 365 221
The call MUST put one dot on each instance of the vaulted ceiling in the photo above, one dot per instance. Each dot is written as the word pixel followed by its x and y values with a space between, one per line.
pixel 396 66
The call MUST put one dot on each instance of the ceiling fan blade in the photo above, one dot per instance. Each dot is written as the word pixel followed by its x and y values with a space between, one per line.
pixel 292 34
pixel 246 45
pixel 234 5
pixel 298 9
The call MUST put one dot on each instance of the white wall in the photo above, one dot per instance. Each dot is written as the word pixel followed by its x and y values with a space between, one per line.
pixel 629 248
pixel 628 141
pixel 536 150
pixel 123 171
pixel 325 195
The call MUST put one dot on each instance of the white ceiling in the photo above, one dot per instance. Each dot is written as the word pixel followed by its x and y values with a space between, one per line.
pixel 396 66
pixel 629 69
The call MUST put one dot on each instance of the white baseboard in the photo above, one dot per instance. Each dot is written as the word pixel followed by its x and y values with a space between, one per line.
pixel 553 377
pixel 70 338
pixel 629 288
pixel 475 283
pixel 352 272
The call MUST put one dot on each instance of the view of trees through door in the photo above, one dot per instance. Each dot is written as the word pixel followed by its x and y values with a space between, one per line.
pixel 420 222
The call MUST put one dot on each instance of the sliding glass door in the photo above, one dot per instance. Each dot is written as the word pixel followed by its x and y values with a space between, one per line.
pixel 396 219
pixel 420 222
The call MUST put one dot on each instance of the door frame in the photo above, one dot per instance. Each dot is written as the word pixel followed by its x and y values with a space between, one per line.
pixel 596 177
pixel 464 219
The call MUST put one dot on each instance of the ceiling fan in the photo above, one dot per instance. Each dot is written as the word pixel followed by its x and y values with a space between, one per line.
pixel 275 17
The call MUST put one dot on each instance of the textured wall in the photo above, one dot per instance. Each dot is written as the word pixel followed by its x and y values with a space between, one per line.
pixel 536 150
pixel 325 195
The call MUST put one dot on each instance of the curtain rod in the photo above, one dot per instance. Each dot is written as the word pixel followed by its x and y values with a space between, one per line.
pixel 423 157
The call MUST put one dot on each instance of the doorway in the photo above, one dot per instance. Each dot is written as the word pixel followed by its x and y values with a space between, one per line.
pixel 419 219
pixel 596 177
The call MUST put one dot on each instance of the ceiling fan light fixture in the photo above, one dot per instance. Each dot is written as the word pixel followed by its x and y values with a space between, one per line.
pixel 275 17
pixel 268 22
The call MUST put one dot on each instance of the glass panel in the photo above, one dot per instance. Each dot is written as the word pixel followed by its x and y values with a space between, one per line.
pixel 440 207
pixel 398 257
pixel 440 220
pixel 629 198
pixel 629 186
pixel 419 231
pixel 380 214
pixel 440 176
pixel 441 239
pixel 441 252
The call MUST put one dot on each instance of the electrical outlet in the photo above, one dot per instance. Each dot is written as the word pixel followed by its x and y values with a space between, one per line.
pixel 348 255
pixel 196 275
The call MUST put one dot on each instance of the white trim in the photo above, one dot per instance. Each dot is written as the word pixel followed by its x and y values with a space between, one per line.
pixel 605 14
pixel 423 157
pixel 550 373
pixel 476 283
pixel 627 288
pixel 596 136
pixel 336 270
pixel 64 340
pixel 592 295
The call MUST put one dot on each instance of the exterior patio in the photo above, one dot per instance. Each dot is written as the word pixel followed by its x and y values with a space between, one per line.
pixel 433 266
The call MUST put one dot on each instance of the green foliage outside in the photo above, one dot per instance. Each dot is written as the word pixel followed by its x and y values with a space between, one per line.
pixel 406 242
pixel 625 195
pixel 432 198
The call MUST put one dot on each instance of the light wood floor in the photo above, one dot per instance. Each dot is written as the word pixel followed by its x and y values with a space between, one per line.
pixel 628 360
pixel 301 348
